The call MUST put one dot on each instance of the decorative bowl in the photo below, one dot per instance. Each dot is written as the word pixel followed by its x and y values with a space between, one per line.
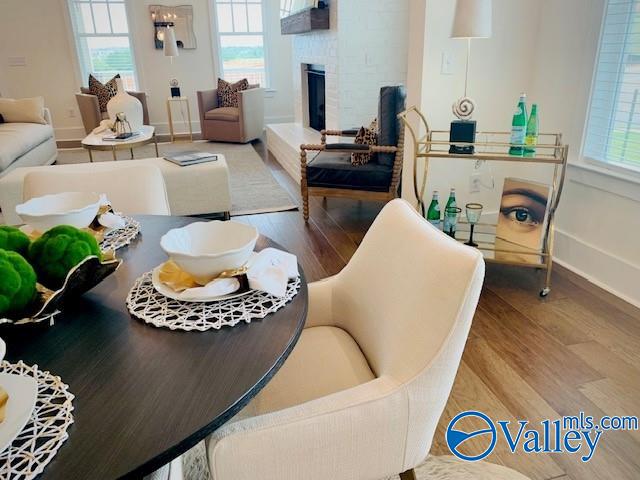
pixel 206 249
pixel 77 209
pixel 80 279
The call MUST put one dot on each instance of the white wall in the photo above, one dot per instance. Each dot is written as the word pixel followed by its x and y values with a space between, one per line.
pixel 372 45
pixel 321 48
pixel 39 31
pixel 499 70
pixel 365 49
pixel 545 48
pixel 598 221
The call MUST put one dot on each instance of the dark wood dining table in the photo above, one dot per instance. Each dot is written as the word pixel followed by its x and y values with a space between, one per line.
pixel 145 395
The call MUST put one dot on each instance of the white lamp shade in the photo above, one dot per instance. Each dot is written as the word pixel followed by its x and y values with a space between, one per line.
pixel 472 19
pixel 170 44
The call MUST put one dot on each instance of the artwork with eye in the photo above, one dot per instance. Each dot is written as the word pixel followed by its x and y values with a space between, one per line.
pixel 522 220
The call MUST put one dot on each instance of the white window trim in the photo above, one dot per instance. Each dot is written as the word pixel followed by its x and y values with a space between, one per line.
pixel 624 172
pixel 73 44
pixel 215 41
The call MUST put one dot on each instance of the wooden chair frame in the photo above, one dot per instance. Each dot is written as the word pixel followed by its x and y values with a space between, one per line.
pixel 384 196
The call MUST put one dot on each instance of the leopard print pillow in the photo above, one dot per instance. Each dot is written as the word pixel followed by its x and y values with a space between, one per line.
pixel 365 136
pixel 228 92
pixel 104 92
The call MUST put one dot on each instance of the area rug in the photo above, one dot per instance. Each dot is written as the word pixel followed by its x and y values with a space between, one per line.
pixel 253 188
pixel 194 467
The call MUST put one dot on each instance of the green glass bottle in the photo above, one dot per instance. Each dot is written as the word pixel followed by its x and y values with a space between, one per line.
pixel 519 127
pixel 433 213
pixel 452 199
pixel 446 223
pixel 533 128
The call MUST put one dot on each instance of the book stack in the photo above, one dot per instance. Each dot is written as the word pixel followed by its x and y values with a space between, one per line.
pixel 185 159
pixel 123 137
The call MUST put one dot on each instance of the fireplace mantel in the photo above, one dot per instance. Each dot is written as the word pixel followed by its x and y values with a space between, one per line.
pixel 305 21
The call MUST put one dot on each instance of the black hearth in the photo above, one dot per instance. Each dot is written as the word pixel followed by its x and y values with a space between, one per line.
pixel 315 79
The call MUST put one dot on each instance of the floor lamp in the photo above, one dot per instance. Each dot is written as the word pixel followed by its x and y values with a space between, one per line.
pixel 472 19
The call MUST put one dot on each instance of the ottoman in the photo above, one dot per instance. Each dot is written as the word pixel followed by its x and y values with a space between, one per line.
pixel 193 190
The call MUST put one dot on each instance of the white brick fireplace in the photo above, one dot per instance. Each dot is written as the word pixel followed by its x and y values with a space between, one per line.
pixel 365 49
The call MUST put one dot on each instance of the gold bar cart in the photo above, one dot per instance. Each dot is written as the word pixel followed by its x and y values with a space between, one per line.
pixel 549 151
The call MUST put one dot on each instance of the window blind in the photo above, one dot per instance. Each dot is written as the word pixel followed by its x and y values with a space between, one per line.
pixel 103 44
pixel 613 128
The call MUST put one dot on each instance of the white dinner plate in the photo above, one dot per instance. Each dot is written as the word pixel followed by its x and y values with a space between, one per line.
pixel 23 391
pixel 170 293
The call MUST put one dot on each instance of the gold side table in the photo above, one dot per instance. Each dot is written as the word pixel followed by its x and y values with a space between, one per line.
pixel 178 100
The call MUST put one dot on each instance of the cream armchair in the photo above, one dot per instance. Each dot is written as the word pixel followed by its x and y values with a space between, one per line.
pixel 362 392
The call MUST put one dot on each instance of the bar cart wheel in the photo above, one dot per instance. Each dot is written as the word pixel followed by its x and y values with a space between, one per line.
pixel 545 291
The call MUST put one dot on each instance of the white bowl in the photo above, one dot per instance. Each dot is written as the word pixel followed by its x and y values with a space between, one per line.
pixel 77 209
pixel 206 249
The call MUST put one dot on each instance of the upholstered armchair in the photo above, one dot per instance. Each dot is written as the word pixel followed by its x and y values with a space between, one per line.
pixel 363 390
pixel 232 124
pixel 90 108
pixel 330 172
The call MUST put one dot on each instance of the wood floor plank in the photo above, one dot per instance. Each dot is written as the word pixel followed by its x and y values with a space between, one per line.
pixel 609 364
pixel 535 343
pixel 471 393
pixel 613 399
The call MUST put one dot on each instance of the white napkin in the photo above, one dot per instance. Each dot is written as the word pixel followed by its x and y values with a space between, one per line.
pixel 268 271
pixel 110 220
pixel 215 288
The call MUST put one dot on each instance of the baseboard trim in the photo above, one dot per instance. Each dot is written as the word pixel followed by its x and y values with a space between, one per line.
pixel 603 269
pixel 257 211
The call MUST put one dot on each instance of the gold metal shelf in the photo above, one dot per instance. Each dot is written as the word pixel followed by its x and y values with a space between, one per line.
pixel 549 151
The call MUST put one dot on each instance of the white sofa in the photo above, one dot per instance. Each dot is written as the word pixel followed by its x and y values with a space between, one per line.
pixel 27 145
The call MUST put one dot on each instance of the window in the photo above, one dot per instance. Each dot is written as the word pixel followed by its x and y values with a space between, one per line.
pixel 241 40
pixel 102 38
pixel 613 128
pixel 286 7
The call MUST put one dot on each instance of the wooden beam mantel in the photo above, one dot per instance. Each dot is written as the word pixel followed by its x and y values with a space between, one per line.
pixel 305 21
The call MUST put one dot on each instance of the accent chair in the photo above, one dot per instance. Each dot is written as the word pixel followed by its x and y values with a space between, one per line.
pixel 239 124
pixel 90 108
pixel 330 172
pixel 362 392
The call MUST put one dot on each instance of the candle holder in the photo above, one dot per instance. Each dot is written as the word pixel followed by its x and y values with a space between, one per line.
pixel 121 126
pixel 473 211
pixel 451 215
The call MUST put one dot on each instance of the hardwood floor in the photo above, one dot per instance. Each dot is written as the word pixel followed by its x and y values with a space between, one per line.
pixel 527 358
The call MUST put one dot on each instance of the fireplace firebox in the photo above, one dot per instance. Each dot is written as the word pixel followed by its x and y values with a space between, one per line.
pixel 316 96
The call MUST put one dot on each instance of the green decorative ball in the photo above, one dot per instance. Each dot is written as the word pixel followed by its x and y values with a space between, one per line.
pixel 17 283
pixel 58 250
pixel 14 240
